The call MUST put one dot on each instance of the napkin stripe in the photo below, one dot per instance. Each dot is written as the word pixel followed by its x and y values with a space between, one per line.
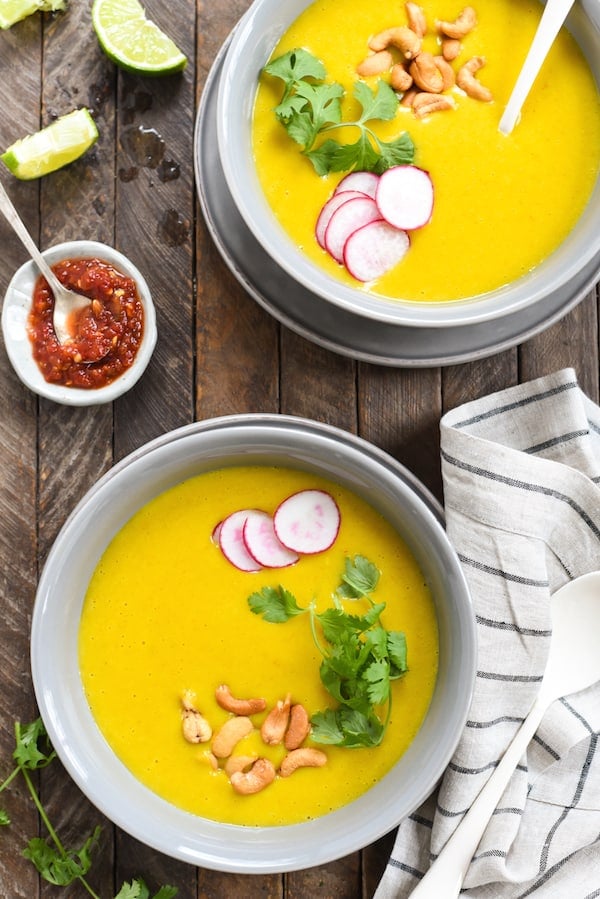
pixel 500 572
pixel 517 404
pixel 502 719
pixel 525 485
pixel 556 441
pixel 515 628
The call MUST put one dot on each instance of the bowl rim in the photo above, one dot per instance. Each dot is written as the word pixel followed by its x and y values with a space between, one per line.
pixel 234 112
pixel 103 778
pixel 17 303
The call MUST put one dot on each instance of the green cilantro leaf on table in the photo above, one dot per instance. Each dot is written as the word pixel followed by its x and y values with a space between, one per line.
pixel 311 108
pixel 360 658
pixel 57 864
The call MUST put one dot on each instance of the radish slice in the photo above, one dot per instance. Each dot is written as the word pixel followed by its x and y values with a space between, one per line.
pixel 329 208
pixel 231 541
pixel 263 544
pixel 374 249
pixel 216 533
pixel 351 215
pixel 405 197
pixel 307 522
pixel 365 182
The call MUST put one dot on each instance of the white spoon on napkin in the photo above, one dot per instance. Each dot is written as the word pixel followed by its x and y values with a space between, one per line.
pixel 573 664
pixel 555 13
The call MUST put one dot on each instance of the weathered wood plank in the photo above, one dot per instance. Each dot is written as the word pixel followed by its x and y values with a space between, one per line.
pixel 20 89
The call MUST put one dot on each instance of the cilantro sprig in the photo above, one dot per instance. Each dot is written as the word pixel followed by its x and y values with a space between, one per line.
pixel 360 658
pixel 56 863
pixel 311 108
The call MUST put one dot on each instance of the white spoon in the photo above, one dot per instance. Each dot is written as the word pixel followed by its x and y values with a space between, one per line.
pixel 65 301
pixel 553 17
pixel 573 664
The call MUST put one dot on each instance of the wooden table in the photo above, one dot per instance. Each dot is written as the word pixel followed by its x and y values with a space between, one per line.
pixel 219 352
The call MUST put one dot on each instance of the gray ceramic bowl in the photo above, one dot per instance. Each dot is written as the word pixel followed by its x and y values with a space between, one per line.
pixel 251 46
pixel 249 439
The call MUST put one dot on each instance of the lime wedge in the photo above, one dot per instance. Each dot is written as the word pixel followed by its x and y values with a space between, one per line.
pixel 12 11
pixel 133 41
pixel 53 147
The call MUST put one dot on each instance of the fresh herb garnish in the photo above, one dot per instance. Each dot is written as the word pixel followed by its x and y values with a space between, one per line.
pixel 57 864
pixel 360 657
pixel 311 107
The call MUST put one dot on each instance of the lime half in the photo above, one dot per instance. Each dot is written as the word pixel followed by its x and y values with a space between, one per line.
pixel 53 147
pixel 133 41
pixel 12 11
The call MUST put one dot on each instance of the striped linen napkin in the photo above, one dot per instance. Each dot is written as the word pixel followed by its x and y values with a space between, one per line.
pixel 521 474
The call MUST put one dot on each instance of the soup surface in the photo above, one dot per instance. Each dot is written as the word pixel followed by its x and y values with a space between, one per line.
pixel 502 203
pixel 165 612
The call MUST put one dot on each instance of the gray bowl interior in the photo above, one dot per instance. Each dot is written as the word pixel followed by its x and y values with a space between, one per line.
pixel 268 440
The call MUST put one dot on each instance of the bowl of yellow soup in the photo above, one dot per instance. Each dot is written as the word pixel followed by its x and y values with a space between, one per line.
pixel 154 640
pixel 493 223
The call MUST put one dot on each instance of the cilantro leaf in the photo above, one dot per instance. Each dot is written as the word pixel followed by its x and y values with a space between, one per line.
pixel 4 818
pixel 275 604
pixel 400 151
pixel 360 578
pixel 325 728
pixel 377 676
pixel 381 103
pixel 296 65
pixel 137 889
pixel 396 644
pixel 61 868
pixel 33 749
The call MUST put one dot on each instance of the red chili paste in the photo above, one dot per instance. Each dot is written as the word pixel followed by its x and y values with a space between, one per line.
pixel 106 335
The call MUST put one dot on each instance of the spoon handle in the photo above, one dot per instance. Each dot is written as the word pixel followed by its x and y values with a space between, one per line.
pixel 12 217
pixel 446 874
pixel 555 13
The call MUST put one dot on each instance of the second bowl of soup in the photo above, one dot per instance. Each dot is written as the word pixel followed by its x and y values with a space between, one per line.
pixel 492 224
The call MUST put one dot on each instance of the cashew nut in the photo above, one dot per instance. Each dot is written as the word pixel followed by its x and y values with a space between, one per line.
pixel 260 775
pixel 228 702
pixel 400 79
pixel 466 22
pixel 275 724
pixel 238 763
pixel 424 104
pixel 230 735
pixel 302 758
pixel 465 78
pixel 451 48
pixel 426 74
pixel 375 64
pixel 416 19
pixel 195 727
pixel 299 727
pixel 401 37
pixel 446 71
pixel 409 97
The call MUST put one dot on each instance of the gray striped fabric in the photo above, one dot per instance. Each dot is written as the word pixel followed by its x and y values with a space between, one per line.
pixel 521 473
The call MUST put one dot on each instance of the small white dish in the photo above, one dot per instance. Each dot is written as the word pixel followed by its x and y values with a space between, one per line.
pixel 17 304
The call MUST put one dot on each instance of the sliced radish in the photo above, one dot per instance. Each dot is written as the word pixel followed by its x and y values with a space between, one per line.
pixel 307 522
pixel 347 218
pixel 216 532
pixel 329 208
pixel 231 541
pixel 365 182
pixel 405 197
pixel 374 249
pixel 263 544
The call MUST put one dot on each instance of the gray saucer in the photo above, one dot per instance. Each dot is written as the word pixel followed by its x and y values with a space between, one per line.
pixel 334 328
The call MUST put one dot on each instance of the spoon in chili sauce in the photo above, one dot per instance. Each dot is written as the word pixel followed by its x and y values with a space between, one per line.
pixel 66 302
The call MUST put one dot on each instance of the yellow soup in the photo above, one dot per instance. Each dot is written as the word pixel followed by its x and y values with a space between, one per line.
pixel 502 203
pixel 165 613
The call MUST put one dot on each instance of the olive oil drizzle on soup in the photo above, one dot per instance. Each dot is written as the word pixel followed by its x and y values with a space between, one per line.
pixel 165 613
pixel 503 204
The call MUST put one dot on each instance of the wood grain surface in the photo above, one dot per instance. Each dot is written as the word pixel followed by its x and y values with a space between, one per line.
pixel 218 352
